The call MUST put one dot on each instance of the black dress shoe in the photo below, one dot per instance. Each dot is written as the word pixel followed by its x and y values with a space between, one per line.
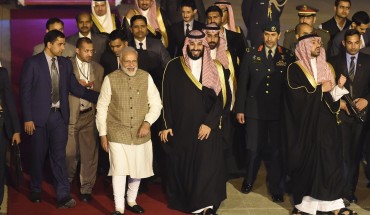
pixel 135 209
pixel 116 213
pixel 246 187
pixel 86 197
pixel 277 198
pixel 67 202
pixel 352 198
pixel 35 197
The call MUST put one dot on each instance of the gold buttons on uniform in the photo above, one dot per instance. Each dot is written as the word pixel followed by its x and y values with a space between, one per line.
pixel 268 70
pixel 267 84
pixel 267 92
pixel 268 76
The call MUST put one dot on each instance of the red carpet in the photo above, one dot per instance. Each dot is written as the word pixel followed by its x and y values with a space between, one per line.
pixel 153 202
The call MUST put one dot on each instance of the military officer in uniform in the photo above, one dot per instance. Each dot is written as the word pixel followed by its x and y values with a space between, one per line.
pixel 306 14
pixel 258 101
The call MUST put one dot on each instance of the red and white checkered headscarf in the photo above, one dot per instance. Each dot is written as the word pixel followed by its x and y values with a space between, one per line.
pixel 210 76
pixel 222 47
pixel 303 53
pixel 230 12
pixel 152 14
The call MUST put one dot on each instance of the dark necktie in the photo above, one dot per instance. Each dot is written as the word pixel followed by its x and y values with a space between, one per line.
pixel 54 82
pixel 187 29
pixel 141 46
pixel 269 56
pixel 351 71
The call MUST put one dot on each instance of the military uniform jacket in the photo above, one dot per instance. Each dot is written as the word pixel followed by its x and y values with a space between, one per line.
pixel 260 83
pixel 290 41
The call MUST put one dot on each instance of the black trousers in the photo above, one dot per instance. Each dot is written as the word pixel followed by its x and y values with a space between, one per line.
pixel 52 139
pixel 263 143
pixel 352 137
pixel 4 142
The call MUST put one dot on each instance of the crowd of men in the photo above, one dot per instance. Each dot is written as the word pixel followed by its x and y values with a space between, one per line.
pixel 196 102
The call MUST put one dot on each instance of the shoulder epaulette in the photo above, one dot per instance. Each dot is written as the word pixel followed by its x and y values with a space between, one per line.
pixel 289 30
pixel 260 48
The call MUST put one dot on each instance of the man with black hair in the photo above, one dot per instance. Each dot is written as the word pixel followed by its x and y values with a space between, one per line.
pixel 56 24
pixel 180 29
pixel 81 145
pixel 356 67
pixel 360 22
pixel 46 81
pixel 117 40
pixel 339 21
pixel 84 24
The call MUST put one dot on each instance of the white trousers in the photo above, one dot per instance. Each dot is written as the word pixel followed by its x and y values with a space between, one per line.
pixel 119 186
pixel 311 205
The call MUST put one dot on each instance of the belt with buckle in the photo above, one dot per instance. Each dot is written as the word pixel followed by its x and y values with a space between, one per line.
pixel 55 109
pixel 86 110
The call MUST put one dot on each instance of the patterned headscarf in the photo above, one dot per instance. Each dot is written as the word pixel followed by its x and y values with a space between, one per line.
pixel 222 47
pixel 303 53
pixel 152 14
pixel 106 20
pixel 210 76
pixel 230 12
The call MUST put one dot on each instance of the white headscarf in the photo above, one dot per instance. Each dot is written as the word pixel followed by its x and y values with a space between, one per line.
pixel 106 19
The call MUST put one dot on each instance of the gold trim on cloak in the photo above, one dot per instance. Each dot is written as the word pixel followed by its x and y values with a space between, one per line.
pixel 232 74
pixel 162 28
pixel 221 74
pixel 190 74
pixel 99 26
pixel 308 77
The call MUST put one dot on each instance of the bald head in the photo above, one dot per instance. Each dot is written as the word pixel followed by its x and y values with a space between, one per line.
pixel 303 29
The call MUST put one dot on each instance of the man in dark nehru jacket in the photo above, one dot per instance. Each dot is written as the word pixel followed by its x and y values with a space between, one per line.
pixel 257 13
pixel 306 14
pixel 258 101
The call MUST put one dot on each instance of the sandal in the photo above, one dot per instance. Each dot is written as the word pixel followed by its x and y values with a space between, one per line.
pixel 343 211
pixel 298 212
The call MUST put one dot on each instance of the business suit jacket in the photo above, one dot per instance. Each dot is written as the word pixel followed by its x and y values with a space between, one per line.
pixel 109 61
pixel 332 27
pixel 337 46
pixel 99 42
pixel 260 84
pixel 69 50
pixel 96 75
pixel 177 35
pixel 157 53
pixel 36 89
pixel 361 82
pixel 11 120
pixel 172 8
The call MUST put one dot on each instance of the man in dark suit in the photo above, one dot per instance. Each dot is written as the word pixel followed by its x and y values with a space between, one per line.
pixel 55 24
pixel 234 41
pixel 257 13
pixel 339 21
pixel 84 24
pixel 355 66
pixel 172 8
pixel 9 124
pixel 46 81
pixel 117 40
pixel 360 22
pixel 258 106
pixel 153 56
pixel 179 30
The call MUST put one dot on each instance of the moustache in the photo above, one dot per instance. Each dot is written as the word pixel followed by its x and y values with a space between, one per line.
pixel 195 50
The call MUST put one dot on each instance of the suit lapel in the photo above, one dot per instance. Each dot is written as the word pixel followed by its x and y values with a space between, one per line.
pixel 44 64
pixel 358 72
pixel 75 68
